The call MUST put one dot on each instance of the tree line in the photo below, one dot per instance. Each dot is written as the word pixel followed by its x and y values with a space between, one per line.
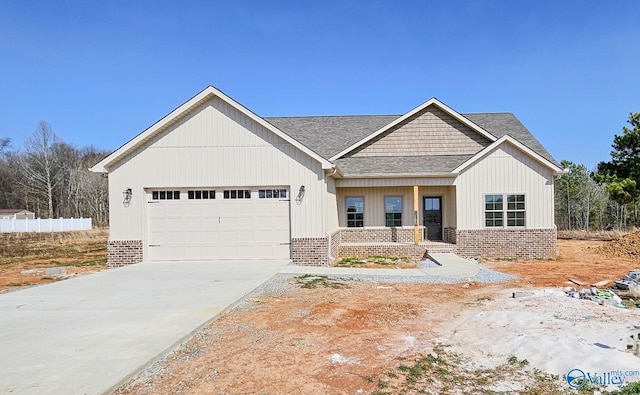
pixel 607 197
pixel 52 178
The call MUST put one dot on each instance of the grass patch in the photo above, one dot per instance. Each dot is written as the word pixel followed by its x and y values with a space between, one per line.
pixel 444 372
pixel 604 235
pixel 313 281
pixel 84 248
pixel 374 260
pixel 95 262
pixel 513 361
pixel 24 284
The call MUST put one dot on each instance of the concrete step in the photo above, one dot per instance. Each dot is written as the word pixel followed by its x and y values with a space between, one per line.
pixel 451 264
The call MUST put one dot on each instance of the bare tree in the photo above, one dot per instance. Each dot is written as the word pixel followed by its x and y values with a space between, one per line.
pixel 4 143
pixel 41 164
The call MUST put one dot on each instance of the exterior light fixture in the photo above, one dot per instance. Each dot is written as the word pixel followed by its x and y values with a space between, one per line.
pixel 300 194
pixel 126 196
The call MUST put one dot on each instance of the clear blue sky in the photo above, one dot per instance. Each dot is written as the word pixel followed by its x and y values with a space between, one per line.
pixel 100 72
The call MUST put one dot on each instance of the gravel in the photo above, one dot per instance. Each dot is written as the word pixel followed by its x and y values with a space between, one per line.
pixel 484 276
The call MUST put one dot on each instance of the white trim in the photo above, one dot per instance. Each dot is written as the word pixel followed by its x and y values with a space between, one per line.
pixel 432 101
pixel 184 109
pixel 505 210
pixel 401 175
pixel 508 139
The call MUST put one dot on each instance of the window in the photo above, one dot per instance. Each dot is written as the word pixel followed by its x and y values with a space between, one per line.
pixel 272 194
pixel 515 210
pixel 495 210
pixel 355 212
pixel 165 195
pixel 493 215
pixel 201 194
pixel 237 194
pixel 393 210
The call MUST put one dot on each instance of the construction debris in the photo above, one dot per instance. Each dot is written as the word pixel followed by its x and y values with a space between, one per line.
pixel 576 282
pixel 600 284
pixel 522 294
pixel 633 277
pixel 602 297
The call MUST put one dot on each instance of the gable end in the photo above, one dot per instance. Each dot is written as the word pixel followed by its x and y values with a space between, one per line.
pixel 430 132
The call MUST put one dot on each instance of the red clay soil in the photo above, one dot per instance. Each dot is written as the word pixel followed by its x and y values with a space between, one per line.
pixel 627 246
pixel 340 341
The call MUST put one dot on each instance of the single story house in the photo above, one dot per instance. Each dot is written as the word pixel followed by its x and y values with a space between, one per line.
pixel 213 180
pixel 16 213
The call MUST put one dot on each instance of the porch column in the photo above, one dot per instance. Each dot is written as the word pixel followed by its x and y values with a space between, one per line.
pixel 416 228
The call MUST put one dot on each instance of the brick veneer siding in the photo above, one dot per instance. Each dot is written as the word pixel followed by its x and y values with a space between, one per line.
pixel 123 252
pixel 310 251
pixel 377 235
pixel 393 250
pixel 507 243
pixel 334 242
pixel 449 235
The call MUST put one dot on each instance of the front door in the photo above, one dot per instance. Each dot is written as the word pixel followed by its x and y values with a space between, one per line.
pixel 433 218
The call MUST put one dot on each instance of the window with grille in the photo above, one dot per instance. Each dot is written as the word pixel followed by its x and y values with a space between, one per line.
pixel 355 212
pixel 496 211
pixel 237 194
pixel 165 195
pixel 393 211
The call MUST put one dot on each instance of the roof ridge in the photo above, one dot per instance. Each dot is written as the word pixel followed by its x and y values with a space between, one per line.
pixel 486 113
pixel 335 116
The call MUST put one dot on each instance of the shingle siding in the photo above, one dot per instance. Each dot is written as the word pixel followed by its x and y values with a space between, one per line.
pixel 430 132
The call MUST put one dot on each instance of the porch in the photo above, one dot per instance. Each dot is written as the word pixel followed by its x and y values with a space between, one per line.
pixel 409 218
pixel 392 242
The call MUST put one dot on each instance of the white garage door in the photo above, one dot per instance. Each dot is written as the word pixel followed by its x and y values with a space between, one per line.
pixel 200 224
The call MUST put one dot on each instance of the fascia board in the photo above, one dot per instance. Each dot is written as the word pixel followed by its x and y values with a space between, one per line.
pixel 432 101
pixel 102 166
pixel 514 142
pixel 402 175
pixel 325 163
pixel 184 109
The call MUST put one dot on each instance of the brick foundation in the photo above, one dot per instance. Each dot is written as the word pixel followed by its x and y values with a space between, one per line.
pixel 123 252
pixel 377 235
pixel 310 251
pixel 507 243
pixel 334 242
pixel 411 251
pixel 449 235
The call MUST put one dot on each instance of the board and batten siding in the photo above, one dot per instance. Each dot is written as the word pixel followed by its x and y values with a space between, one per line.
pixel 216 146
pixel 374 210
pixel 506 170
pixel 430 132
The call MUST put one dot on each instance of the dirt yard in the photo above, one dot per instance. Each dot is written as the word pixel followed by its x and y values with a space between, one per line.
pixel 377 338
pixel 25 257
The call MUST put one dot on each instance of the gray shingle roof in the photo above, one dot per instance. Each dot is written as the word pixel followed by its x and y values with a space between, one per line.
pixel 400 164
pixel 328 135
pixel 500 124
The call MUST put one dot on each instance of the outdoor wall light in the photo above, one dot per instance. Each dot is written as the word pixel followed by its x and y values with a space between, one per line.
pixel 126 196
pixel 300 194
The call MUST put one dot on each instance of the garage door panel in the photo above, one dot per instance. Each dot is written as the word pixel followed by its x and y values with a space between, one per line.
pixel 200 229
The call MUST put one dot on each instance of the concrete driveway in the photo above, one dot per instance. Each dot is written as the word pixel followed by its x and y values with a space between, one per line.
pixel 86 335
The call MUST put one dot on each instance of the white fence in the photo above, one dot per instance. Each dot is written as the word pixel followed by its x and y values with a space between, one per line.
pixel 44 225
